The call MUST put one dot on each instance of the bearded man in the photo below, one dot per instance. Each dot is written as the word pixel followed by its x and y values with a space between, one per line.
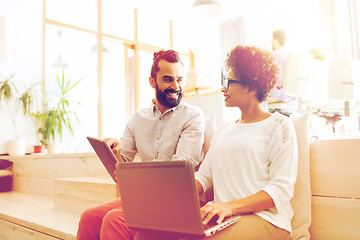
pixel 169 130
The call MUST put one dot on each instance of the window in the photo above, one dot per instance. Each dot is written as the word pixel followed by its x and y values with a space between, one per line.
pixel 114 90
pixel 115 80
pixel 114 14
pixel 153 29
pixel 80 13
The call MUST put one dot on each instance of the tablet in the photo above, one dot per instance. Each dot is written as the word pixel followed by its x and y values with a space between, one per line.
pixel 105 154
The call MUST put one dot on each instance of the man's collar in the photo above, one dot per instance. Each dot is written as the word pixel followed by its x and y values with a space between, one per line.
pixel 154 107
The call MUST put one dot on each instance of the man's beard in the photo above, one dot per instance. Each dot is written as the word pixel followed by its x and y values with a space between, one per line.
pixel 163 100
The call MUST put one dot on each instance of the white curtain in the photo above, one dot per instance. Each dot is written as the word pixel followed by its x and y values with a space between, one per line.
pixel 341 27
pixel 2 38
pixel 354 17
pixel 232 33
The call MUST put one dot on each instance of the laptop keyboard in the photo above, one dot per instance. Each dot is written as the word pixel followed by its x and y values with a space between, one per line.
pixel 218 227
pixel 213 222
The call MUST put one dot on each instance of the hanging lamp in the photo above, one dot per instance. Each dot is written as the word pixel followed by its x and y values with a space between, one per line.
pixel 207 8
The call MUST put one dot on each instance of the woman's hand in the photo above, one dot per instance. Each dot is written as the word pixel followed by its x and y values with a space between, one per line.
pixel 210 210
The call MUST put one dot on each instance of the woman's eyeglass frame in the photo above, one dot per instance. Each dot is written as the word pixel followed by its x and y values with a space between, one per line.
pixel 225 82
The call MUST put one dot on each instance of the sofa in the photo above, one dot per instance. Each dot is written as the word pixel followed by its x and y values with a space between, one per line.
pixel 326 200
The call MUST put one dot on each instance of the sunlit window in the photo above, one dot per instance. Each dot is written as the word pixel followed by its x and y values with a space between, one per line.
pixel 182 31
pixel 80 13
pixel 69 51
pixel 153 29
pixel 114 89
pixel 117 18
pixel 146 91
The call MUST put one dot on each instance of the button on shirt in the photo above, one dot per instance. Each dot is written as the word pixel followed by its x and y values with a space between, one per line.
pixel 177 134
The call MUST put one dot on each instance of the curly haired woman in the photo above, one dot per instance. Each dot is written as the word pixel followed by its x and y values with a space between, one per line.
pixel 252 162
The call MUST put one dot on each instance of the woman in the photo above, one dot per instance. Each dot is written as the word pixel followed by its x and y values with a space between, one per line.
pixel 252 162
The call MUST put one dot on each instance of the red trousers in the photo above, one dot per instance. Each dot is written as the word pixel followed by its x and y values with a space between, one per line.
pixel 104 221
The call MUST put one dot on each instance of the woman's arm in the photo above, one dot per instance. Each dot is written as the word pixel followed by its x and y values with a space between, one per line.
pixel 257 202
pixel 254 203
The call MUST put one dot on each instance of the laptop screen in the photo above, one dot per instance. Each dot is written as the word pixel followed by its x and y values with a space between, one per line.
pixel 160 196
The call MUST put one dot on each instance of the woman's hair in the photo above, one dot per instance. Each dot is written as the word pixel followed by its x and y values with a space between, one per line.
pixel 256 67
pixel 167 55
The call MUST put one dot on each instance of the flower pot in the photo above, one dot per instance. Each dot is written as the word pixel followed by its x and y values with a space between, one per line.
pixel 53 148
pixel 39 148
pixel 16 147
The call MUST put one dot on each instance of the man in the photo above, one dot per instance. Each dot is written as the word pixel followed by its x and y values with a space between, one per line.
pixel 169 130
pixel 281 54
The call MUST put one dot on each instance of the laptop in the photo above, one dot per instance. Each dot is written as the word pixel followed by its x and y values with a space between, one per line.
pixel 106 155
pixel 162 196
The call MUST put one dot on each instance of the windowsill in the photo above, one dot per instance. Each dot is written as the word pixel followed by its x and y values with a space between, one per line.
pixel 45 155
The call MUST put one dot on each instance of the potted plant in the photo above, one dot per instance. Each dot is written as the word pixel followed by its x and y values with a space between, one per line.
pixel 40 118
pixel 58 118
pixel 16 99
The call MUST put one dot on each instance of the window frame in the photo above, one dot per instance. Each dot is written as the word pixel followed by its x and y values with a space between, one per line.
pixel 133 45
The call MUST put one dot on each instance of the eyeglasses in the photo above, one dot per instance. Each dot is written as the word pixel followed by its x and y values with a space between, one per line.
pixel 225 82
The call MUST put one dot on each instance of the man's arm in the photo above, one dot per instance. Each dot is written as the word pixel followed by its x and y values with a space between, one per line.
pixel 127 141
pixel 191 140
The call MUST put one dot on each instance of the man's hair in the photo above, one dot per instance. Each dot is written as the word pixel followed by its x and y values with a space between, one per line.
pixel 280 36
pixel 256 67
pixel 167 55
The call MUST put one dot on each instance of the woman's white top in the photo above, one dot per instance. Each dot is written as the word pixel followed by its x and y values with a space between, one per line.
pixel 246 158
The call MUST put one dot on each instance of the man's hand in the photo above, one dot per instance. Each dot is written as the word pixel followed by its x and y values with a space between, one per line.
pixel 210 210
pixel 116 180
pixel 115 146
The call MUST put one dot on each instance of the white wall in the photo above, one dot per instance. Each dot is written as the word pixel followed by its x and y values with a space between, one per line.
pixel 213 103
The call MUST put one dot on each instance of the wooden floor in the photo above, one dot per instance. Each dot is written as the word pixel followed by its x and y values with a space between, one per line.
pixel 33 217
